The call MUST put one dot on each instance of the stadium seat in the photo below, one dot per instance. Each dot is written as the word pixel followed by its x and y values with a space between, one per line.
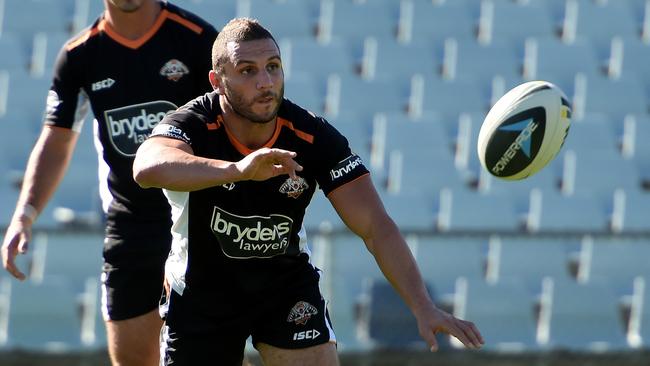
pixel 635 213
pixel 579 56
pixel 580 317
pixel 616 98
pixel 634 52
pixel 443 259
pixel 514 21
pixel 529 260
pixel 26 17
pixel 385 322
pixel 504 313
pixel 365 97
pixel 468 211
pixel 390 59
pixel 14 52
pixel 215 12
pixel 617 14
pixel 616 261
pixel 411 213
pixel 434 22
pixel 43 316
pixel 594 133
pixel 284 19
pixel 306 56
pixel 638 334
pixel 568 214
pixel 497 58
pixel 305 91
pixel 349 266
pixel 442 97
pixel 340 19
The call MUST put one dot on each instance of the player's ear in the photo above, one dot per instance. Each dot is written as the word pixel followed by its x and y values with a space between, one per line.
pixel 215 81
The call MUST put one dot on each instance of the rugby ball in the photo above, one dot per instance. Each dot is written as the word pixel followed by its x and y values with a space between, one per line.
pixel 524 130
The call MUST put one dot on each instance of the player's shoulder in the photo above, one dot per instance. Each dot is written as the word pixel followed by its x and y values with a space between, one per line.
pixel 187 19
pixel 202 110
pixel 301 118
pixel 83 38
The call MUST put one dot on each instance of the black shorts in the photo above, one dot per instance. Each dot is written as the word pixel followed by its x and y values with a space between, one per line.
pixel 132 280
pixel 296 318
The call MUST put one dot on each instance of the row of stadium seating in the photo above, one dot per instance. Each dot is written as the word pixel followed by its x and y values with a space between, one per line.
pixel 581 293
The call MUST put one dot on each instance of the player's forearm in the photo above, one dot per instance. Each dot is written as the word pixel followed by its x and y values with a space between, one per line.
pixel 177 170
pixel 399 267
pixel 46 167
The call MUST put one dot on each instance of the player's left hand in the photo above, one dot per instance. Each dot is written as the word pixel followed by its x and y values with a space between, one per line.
pixel 435 320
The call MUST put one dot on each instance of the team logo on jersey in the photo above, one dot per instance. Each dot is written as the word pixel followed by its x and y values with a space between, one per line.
pixel 301 313
pixel 245 237
pixel 174 70
pixel 294 187
pixel 129 126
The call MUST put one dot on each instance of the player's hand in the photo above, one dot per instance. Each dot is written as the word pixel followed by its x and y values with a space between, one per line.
pixel 16 241
pixel 267 163
pixel 436 320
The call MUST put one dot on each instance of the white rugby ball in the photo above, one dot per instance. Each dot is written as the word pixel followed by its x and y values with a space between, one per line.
pixel 524 130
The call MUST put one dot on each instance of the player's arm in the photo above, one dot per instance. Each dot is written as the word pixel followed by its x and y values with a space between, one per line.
pixel 170 163
pixel 46 166
pixel 361 209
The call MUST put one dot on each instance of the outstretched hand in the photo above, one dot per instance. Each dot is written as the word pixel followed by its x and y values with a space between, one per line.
pixel 436 320
pixel 17 238
pixel 267 163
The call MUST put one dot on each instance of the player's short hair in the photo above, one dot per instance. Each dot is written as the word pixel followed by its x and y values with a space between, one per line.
pixel 237 30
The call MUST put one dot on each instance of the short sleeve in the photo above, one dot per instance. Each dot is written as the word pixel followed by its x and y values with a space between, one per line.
pixel 181 125
pixel 336 164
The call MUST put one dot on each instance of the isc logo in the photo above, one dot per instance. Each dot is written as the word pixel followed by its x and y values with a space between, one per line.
pixel 307 334
pixel 104 84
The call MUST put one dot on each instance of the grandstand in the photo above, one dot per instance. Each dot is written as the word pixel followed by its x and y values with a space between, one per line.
pixel 557 262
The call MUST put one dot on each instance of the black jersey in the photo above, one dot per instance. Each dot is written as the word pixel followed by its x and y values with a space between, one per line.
pixel 131 85
pixel 248 235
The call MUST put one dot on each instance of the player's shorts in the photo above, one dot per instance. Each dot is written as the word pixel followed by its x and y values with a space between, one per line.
pixel 296 318
pixel 132 280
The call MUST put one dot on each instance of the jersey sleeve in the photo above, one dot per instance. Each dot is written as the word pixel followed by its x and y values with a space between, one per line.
pixel 336 163
pixel 181 125
pixel 67 103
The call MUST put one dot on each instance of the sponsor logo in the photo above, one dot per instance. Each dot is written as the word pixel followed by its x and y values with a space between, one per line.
pixel 294 187
pixel 346 166
pixel 251 236
pixel 301 313
pixel 170 131
pixel 103 84
pixel 229 186
pixel 521 143
pixel 307 334
pixel 129 126
pixel 174 70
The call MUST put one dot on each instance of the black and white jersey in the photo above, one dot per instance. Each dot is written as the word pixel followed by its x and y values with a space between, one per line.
pixel 130 85
pixel 248 235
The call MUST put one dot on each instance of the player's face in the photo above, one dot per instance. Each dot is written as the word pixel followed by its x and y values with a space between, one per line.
pixel 253 80
pixel 127 6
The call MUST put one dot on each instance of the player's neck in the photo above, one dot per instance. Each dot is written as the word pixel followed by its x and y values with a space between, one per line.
pixel 250 134
pixel 133 25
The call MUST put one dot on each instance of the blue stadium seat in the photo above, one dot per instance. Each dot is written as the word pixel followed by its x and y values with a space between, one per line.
pixel 305 91
pixel 469 211
pixel 410 213
pixel 442 97
pixel 75 257
pixel 504 313
pixel 579 56
pixel 529 260
pixel 496 58
pixel 615 261
pixel 285 19
pixel 580 317
pixel 436 21
pixel 616 14
pixel 26 17
pixel 385 322
pixel 215 12
pixel 43 316
pixel 306 56
pixel 443 259
pixel 386 59
pixel 340 19
pixel 639 323
pixel 15 53
pixel 366 97
pixel 515 21
pixel 636 213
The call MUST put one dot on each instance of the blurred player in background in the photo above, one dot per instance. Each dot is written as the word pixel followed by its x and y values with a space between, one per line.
pixel 139 60
pixel 239 166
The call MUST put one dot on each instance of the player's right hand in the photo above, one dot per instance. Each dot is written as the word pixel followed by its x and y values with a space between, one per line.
pixel 267 163
pixel 16 241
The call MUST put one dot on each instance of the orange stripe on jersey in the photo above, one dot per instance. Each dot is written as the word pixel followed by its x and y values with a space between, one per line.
pixel 192 26
pixel 212 126
pixel 81 39
pixel 303 135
